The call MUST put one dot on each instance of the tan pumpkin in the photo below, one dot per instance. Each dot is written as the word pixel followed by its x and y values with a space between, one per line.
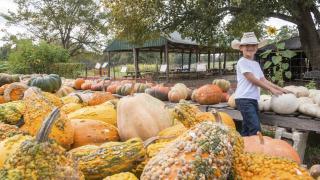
pixel 64 91
pixel 232 101
pixel 208 94
pixel 78 82
pixel 269 146
pixel 141 115
pixel 223 84
pixel 178 92
pixel 92 132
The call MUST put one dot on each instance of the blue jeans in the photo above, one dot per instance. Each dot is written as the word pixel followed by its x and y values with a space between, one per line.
pixel 250 114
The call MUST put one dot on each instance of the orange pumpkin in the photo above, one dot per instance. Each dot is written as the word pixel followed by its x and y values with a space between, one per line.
pixel 88 131
pixel 270 146
pixel 225 97
pixel 14 91
pixel 99 98
pixel 112 88
pixel 2 100
pixel 86 86
pixel 78 82
pixel 2 88
pixel 97 86
pixel 208 94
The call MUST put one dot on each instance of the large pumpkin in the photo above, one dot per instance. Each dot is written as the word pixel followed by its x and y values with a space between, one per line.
pixel 48 83
pixel 284 104
pixel 12 112
pixel 39 105
pixel 232 101
pixel 203 152
pixel 178 92
pixel 14 91
pixel 208 94
pixel 141 115
pixel 7 131
pixel 159 92
pixel 92 132
pixel 222 83
pixel 273 147
pixel 26 157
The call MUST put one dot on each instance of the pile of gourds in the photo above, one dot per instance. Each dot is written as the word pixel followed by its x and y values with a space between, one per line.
pixel 97 136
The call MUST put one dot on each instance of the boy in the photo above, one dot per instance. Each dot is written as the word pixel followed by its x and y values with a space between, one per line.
pixel 250 77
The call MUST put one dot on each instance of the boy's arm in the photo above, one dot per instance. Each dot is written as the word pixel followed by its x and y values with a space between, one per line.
pixel 275 86
pixel 261 83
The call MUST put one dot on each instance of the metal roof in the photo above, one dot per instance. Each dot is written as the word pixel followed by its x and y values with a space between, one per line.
pixel 292 44
pixel 175 37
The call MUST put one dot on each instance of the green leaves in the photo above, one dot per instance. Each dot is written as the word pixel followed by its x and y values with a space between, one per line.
pixel 280 46
pixel 276 59
pixel 285 66
pixel 287 54
pixel 266 53
pixel 267 65
pixel 288 74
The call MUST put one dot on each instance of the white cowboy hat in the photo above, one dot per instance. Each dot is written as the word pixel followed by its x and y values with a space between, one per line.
pixel 248 38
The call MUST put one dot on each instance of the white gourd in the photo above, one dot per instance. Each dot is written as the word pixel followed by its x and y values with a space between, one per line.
pixel 316 99
pixel 267 105
pixel 313 92
pixel 231 101
pixel 262 102
pixel 284 104
pixel 310 109
pixel 302 101
pixel 299 91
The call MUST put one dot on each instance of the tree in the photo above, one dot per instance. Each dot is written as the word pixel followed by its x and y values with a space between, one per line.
pixel 74 24
pixel 209 22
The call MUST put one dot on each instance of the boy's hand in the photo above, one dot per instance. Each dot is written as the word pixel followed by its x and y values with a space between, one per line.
pixel 276 92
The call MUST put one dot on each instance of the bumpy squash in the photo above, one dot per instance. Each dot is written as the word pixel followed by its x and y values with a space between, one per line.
pixel 39 107
pixel 48 83
pixel 97 162
pixel 7 131
pixel 141 115
pixel 171 133
pixel 14 91
pixel 71 107
pixel 208 94
pixel 12 112
pixel 203 152
pixel 36 158
pixel 122 176
pixel 105 112
pixel 92 132
pixel 258 166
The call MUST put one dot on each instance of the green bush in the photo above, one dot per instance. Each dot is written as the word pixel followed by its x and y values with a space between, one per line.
pixel 68 70
pixel 28 58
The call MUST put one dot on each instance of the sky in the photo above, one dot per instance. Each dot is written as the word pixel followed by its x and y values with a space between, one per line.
pixel 6 5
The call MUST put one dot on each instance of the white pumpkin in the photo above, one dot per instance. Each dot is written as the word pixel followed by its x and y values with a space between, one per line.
pixel 141 115
pixel 299 91
pixel 267 105
pixel 316 99
pixel 284 104
pixel 313 92
pixel 302 101
pixel 179 91
pixel 262 102
pixel 310 109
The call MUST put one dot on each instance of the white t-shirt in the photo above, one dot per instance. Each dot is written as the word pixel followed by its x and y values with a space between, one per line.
pixel 245 89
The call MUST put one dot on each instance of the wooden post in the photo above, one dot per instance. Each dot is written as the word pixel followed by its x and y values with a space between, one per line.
pixel 213 59
pixel 209 58
pixel 189 63
pixel 182 59
pixel 166 58
pixel 109 64
pixel 161 58
pixel 197 57
pixel 138 62
pixel 224 62
pixel 219 63
pixel 135 62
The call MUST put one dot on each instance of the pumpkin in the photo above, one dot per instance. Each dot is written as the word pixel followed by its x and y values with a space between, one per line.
pixel 105 112
pixel 99 98
pixel 315 171
pixel 92 132
pixel 203 152
pixel 208 94
pixel 140 87
pixel 7 78
pixel 38 108
pixel 97 162
pixel 171 133
pixel 159 92
pixel 264 103
pixel 313 92
pixel 2 100
pixel 122 176
pixel 7 131
pixel 190 91
pixel 284 104
pixel 25 157
pixel 86 85
pixel 64 91
pixel 71 107
pixel 269 146
pixel 14 91
pixel 113 87
pixel 316 99
pixel 232 101
pixel 97 86
pixel 310 109
pixel 72 98
pixel 298 91
pixel 48 83
pixel 141 115
pixel 223 84
pixel 123 82
pixel 260 166
pixel 193 95
pixel 225 97
pixel 12 112
pixel 178 92
pixel 125 89
pixel 78 82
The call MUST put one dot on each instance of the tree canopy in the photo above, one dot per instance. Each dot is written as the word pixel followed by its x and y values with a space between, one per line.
pixel 74 24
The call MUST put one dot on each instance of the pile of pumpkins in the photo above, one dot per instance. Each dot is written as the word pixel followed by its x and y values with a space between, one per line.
pixel 303 100
pixel 97 136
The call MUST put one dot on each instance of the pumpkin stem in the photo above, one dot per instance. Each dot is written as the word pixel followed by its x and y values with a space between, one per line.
pixel 260 137
pixel 46 126
pixel 216 115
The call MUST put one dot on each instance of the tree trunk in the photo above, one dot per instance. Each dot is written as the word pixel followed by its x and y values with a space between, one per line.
pixel 309 37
